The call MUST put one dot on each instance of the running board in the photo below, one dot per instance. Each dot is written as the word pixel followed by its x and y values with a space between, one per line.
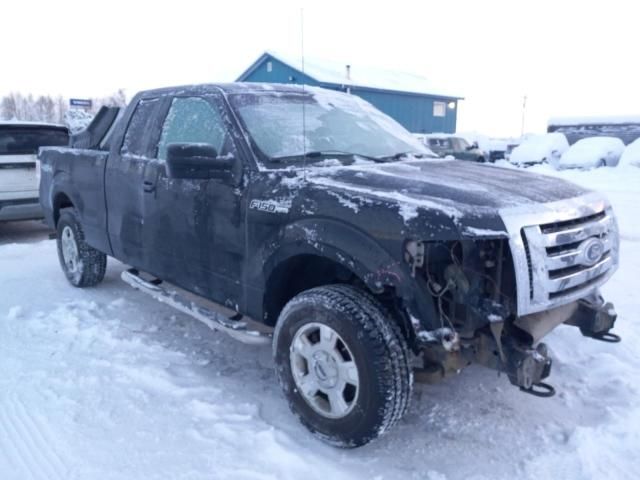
pixel 237 329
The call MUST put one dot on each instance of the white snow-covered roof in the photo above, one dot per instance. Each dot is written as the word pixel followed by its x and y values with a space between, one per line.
pixel 594 120
pixel 326 71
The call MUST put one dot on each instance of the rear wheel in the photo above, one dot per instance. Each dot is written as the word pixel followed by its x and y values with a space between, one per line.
pixel 83 265
pixel 343 364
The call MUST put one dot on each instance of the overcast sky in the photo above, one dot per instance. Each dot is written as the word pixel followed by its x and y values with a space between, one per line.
pixel 569 58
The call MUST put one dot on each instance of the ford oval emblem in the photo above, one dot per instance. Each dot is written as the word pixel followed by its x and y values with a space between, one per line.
pixel 591 251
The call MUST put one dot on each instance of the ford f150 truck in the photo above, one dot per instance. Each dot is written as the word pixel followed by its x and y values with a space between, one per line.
pixel 307 219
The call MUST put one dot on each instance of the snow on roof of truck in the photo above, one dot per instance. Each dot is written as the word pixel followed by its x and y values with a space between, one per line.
pixel 334 72
pixel 594 120
pixel 233 87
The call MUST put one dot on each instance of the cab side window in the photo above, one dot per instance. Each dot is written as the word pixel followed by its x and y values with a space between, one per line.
pixel 194 120
pixel 136 138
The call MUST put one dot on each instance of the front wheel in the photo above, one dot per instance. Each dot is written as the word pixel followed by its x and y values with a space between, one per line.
pixel 343 364
pixel 83 265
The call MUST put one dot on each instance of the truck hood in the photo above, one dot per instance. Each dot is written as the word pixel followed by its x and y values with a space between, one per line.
pixel 469 194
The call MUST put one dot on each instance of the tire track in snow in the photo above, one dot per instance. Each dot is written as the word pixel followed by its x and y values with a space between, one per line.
pixel 12 447
pixel 13 459
pixel 28 443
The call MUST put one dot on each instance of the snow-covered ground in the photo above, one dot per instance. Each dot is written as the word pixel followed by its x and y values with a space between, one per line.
pixel 105 383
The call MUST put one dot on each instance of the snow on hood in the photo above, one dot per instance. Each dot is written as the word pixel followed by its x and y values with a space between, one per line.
pixel 538 148
pixel 456 188
pixel 591 152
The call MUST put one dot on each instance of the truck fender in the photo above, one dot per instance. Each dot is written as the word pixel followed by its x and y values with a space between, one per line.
pixel 61 186
pixel 339 242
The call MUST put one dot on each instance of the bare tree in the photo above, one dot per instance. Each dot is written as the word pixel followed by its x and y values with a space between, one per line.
pixel 44 108
pixel 9 107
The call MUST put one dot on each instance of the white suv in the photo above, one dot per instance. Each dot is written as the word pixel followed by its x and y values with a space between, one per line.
pixel 19 144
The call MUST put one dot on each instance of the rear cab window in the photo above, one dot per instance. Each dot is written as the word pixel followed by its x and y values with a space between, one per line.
pixel 26 140
pixel 137 138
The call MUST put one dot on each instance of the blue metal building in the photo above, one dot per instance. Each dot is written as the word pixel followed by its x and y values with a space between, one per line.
pixel 409 99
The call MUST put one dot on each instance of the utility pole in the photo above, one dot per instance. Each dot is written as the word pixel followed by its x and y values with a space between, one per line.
pixel 524 109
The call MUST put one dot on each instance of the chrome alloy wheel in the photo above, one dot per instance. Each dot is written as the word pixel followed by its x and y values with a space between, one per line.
pixel 70 250
pixel 324 370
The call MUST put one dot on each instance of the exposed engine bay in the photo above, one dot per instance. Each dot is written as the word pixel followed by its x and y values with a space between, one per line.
pixel 473 288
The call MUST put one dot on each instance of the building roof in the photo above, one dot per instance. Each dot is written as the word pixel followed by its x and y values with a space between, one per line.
pixel 594 120
pixel 334 73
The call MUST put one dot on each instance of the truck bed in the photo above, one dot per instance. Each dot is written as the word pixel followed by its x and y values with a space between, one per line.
pixel 79 173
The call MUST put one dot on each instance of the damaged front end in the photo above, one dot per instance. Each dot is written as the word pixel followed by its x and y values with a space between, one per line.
pixel 476 316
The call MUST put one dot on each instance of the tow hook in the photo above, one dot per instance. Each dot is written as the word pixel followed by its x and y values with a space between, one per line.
pixel 540 389
pixel 595 319
pixel 606 337
pixel 530 367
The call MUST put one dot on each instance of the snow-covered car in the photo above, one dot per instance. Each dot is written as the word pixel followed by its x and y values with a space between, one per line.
pixel 545 148
pixel 592 152
pixel 631 154
pixel 19 144
pixel 509 149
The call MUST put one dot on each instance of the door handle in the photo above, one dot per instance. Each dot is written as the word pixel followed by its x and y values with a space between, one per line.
pixel 148 186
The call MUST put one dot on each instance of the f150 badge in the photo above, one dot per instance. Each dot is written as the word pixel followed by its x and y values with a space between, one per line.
pixel 270 206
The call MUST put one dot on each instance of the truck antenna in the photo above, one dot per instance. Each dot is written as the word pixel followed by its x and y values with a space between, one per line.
pixel 304 116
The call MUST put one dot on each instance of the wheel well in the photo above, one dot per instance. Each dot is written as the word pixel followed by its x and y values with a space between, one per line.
pixel 303 272
pixel 59 202
pixel 297 274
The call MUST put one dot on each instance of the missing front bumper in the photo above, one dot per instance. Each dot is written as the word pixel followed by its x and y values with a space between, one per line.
pixel 511 350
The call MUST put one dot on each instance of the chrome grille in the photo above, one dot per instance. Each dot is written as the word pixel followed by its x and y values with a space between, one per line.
pixel 547 243
pixel 571 256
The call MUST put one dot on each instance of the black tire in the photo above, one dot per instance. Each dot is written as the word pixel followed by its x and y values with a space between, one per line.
pixel 379 351
pixel 87 269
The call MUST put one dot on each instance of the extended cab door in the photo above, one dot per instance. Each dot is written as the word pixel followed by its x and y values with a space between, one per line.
pixel 125 182
pixel 194 228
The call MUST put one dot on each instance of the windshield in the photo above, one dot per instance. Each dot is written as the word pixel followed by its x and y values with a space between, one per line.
pixel 16 140
pixel 335 124
pixel 464 145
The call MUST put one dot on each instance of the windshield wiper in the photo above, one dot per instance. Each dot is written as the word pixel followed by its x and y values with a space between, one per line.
pixel 325 153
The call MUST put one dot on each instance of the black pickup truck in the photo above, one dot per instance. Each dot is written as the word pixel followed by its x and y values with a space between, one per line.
pixel 306 218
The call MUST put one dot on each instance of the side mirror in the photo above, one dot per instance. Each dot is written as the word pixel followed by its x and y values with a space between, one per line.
pixel 196 161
